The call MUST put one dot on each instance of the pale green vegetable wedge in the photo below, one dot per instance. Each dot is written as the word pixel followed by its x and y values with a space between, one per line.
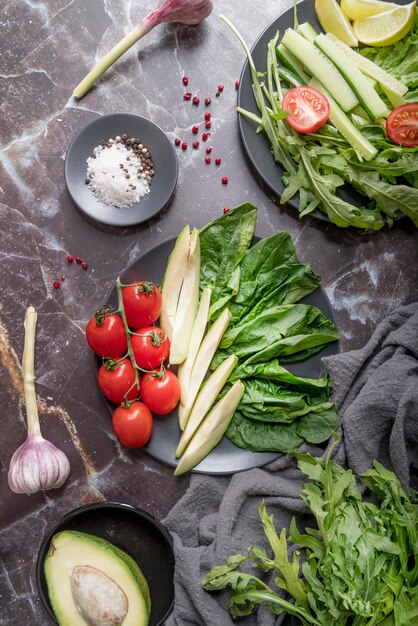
pixel 173 280
pixel 187 304
pixel 204 356
pixel 206 397
pixel 211 430
pixel 199 327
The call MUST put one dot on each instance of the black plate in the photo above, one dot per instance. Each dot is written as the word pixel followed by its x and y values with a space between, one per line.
pixel 226 458
pixel 163 156
pixel 134 531
pixel 286 620
pixel 256 145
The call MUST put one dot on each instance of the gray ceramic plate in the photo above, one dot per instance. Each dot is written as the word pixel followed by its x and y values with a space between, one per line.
pixel 163 156
pixel 132 530
pixel 226 458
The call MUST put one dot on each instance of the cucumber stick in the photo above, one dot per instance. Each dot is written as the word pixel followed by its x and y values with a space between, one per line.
pixel 321 68
pixel 370 69
pixel 290 61
pixel 344 125
pixel 371 102
pixel 307 31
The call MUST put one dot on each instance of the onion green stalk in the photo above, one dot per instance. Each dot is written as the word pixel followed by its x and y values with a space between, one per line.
pixel 183 11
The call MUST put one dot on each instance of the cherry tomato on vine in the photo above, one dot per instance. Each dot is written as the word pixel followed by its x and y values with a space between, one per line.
pixel 309 109
pixel 115 379
pixel 105 334
pixel 142 302
pixel 402 124
pixel 132 424
pixel 160 391
pixel 151 347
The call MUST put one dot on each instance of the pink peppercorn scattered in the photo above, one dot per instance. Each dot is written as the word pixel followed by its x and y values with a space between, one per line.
pixel 226 210
pixel 208 101
pixel 70 259
pixel 236 84
pixel 185 81
pixel 63 278
pixel 177 141
pixel 220 87
pixel 208 160
pixel 187 95
pixel 207 116
pixel 78 260
pixel 84 265
pixel 196 144
pixel 225 180
pixel 56 284
pixel 195 129
pixel 196 101
pixel 208 124
pixel 218 160
pixel 208 150
pixel 205 136
pixel 184 145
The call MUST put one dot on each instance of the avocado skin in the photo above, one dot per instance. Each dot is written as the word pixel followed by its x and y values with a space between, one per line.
pixel 104 546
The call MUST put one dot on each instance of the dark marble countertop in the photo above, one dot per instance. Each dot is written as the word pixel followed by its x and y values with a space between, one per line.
pixel 45 49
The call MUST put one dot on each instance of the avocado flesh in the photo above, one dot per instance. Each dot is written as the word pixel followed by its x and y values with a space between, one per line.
pixel 72 553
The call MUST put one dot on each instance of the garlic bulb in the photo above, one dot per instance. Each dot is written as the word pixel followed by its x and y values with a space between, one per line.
pixel 37 465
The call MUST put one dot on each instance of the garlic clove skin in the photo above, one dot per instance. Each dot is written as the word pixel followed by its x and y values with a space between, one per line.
pixel 37 465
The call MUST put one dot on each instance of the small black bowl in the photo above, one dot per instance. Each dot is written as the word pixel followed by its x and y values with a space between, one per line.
pixel 163 156
pixel 134 531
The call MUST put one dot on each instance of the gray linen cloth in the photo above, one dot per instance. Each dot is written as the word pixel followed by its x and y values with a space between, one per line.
pixel 376 391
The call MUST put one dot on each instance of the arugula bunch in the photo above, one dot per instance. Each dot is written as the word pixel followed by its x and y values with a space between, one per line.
pixel 360 563
pixel 319 166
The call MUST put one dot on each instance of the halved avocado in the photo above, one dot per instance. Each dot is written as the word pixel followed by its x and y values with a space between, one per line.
pixel 91 582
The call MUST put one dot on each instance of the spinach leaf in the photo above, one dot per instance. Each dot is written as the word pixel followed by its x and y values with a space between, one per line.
pixel 273 371
pixel 291 332
pixel 271 275
pixel 223 244
pixel 318 425
pixel 262 436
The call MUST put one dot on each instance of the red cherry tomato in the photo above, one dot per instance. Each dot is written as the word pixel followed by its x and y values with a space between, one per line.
pixel 115 379
pixel 106 336
pixel 142 303
pixel 309 109
pixel 160 391
pixel 402 124
pixel 132 425
pixel 151 347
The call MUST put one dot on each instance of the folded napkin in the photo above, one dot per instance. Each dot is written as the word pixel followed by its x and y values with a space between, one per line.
pixel 376 391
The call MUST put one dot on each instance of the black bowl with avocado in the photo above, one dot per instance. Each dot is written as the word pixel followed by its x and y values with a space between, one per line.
pixel 110 546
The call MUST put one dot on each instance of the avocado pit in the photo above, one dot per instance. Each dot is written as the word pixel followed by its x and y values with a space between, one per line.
pixel 98 598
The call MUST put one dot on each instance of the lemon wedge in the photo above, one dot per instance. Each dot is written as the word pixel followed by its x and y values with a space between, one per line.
pixel 359 9
pixel 386 28
pixel 333 20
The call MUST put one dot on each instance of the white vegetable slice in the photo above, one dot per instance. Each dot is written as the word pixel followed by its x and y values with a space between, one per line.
pixel 173 280
pixel 198 332
pixel 205 399
pixel 211 430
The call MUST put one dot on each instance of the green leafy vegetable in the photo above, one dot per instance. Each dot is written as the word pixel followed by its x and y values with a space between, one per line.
pixel 317 166
pixel 260 286
pixel 361 560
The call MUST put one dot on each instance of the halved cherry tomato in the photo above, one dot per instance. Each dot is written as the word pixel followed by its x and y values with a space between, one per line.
pixel 105 335
pixel 142 302
pixel 132 424
pixel 151 347
pixel 160 391
pixel 402 124
pixel 309 109
pixel 115 379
